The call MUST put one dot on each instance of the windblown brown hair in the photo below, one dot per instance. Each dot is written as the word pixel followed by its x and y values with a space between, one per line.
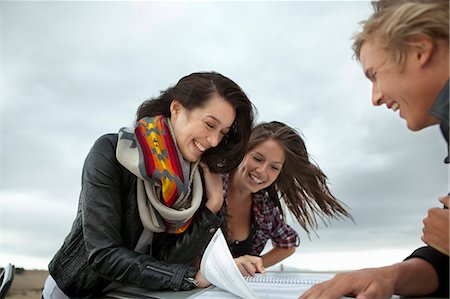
pixel 300 184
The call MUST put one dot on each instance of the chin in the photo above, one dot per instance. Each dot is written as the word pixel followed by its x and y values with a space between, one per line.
pixel 413 128
pixel 257 188
pixel 191 158
pixel 417 126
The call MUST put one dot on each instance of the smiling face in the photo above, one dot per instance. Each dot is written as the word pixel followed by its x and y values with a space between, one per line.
pixel 261 166
pixel 404 89
pixel 201 128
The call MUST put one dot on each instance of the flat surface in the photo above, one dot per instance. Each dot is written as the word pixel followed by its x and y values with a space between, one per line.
pixel 211 292
pixel 132 292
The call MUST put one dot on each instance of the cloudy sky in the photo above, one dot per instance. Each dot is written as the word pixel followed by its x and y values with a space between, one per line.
pixel 72 71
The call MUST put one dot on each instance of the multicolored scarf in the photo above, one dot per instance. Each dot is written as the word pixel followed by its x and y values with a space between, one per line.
pixel 165 179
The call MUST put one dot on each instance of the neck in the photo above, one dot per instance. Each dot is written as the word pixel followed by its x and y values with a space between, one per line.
pixel 433 76
pixel 236 190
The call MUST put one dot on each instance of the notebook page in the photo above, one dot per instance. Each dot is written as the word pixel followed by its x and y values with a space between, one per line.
pixel 219 268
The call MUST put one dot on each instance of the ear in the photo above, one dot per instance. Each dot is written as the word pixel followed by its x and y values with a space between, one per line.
pixel 175 108
pixel 423 49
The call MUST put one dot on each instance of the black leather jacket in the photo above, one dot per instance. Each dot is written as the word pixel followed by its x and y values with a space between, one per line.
pixel 99 248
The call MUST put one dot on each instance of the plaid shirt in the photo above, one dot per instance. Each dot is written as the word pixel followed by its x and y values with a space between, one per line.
pixel 269 223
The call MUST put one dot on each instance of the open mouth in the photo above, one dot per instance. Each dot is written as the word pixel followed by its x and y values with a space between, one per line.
pixel 200 147
pixel 395 107
pixel 255 179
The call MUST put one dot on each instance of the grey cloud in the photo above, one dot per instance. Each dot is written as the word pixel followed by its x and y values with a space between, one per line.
pixel 73 71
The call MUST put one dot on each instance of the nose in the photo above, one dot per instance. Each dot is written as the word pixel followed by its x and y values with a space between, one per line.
pixel 214 139
pixel 377 95
pixel 262 169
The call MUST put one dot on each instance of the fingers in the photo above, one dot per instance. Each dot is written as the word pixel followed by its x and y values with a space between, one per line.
pixel 445 200
pixel 436 221
pixel 324 290
pixel 213 192
pixel 435 217
pixel 248 265
pixel 256 262
pixel 314 292
pixel 364 284
pixel 246 269
pixel 372 292
pixel 202 282
pixel 204 167
pixel 435 231
pixel 260 268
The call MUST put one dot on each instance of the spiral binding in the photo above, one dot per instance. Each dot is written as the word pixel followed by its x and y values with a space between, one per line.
pixel 282 281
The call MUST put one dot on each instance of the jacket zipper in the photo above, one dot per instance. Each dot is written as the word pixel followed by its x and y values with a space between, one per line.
pixel 190 280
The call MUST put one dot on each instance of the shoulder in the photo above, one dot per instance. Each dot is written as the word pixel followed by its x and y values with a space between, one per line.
pixel 264 207
pixel 103 154
pixel 262 200
pixel 105 143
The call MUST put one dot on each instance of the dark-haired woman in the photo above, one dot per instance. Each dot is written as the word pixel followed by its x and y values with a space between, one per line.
pixel 276 167
pixel 144 182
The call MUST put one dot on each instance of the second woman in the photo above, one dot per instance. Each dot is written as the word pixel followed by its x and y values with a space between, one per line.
pixel 275 168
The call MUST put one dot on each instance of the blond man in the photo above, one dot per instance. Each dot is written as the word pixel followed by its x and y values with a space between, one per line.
pixel 404 50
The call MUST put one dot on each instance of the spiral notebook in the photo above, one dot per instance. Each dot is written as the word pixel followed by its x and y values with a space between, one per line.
pixel 279 285
pixel 218 267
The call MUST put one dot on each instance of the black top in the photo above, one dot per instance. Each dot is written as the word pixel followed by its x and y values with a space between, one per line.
pixel 240 248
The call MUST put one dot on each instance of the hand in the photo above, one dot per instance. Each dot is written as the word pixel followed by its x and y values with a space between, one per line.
pixel 373 283
pixel 436 227
pixel 248 265
pixel 202 282
pixel 214 189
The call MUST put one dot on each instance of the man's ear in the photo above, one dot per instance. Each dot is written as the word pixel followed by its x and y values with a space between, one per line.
pixel 175 108
pixel 423 49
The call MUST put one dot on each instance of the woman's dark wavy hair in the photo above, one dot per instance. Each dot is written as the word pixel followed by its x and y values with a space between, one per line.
pixel 194 91
pixel 301 184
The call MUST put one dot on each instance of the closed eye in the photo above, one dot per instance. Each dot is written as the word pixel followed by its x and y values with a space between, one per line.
pixel 257 159
pixel 371 74
pixel 212 126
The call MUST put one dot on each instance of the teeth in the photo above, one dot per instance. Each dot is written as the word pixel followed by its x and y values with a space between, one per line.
pixel 258 181
pixel 395 107
pixel 199 146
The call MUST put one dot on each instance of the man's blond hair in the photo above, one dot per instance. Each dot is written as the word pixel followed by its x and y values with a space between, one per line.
pixel 395 23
